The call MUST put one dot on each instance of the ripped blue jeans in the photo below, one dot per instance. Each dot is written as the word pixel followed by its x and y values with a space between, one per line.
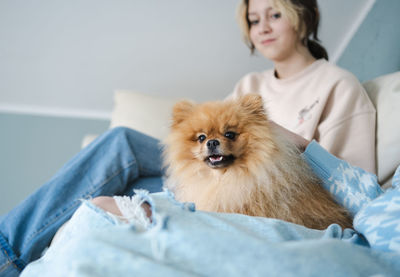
pixel 118 161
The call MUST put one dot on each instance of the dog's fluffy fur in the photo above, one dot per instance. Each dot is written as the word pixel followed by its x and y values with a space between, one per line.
pixel 225 157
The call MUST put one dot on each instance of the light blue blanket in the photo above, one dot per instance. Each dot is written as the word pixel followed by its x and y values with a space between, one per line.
pixel 184 242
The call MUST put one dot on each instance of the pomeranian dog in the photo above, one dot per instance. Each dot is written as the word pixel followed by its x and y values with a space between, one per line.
pixel 225 157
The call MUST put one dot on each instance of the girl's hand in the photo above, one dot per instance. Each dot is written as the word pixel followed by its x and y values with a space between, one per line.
pixel 298 140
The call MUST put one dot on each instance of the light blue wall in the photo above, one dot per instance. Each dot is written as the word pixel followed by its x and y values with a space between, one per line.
pixel 375 49
pixel 33 148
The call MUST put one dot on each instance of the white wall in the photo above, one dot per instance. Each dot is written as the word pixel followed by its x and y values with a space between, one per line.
pixel 67 57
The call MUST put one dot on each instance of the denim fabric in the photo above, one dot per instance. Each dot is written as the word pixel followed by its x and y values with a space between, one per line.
pixel 184 242
pixel 113 164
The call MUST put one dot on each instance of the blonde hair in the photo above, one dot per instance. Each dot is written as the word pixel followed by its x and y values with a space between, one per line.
pixel 302 14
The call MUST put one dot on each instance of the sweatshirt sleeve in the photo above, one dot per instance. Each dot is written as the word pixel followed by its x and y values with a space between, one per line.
pixel 347 128
pixel 351 186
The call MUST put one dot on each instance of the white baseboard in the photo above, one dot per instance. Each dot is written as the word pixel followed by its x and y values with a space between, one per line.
pixel 54 112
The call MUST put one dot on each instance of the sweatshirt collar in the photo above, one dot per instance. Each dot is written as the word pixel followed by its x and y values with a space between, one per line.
pixel 306 71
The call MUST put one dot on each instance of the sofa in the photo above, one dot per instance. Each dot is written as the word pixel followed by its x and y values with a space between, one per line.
pixel 150 115
pixel 229 243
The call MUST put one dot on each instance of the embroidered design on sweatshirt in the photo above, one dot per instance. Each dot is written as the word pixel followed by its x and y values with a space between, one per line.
pixel 305 113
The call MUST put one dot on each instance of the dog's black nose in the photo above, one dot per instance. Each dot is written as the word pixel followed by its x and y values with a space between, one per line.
pixel 212 144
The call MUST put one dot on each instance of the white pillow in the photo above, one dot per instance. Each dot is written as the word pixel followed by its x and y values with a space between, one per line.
pixel 384 92
pixel 145 113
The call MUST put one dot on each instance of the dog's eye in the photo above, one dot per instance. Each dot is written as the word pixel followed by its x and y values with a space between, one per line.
pixel 230 135
pixel 201 138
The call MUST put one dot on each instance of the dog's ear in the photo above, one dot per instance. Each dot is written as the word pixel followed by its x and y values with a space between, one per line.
pixel 253 104
pixel 181 111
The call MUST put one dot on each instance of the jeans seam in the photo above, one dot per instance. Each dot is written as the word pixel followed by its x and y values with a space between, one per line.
pixel 4 266
pixel 77 201
pixel 9 261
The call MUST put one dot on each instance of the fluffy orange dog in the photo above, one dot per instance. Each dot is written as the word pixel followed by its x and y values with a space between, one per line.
pixel 225 157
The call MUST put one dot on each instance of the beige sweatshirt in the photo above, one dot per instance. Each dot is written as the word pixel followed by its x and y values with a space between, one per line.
pixel 322 102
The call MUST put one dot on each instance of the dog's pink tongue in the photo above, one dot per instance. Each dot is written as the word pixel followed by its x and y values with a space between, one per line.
pixel 216 158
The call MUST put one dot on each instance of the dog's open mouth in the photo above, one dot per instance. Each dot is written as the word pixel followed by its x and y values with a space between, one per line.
pixel 219 161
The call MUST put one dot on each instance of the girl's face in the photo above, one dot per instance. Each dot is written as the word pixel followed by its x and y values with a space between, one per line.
pixel 271 33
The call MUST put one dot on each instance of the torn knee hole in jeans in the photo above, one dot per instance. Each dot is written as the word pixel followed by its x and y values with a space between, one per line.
pixel 137 210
